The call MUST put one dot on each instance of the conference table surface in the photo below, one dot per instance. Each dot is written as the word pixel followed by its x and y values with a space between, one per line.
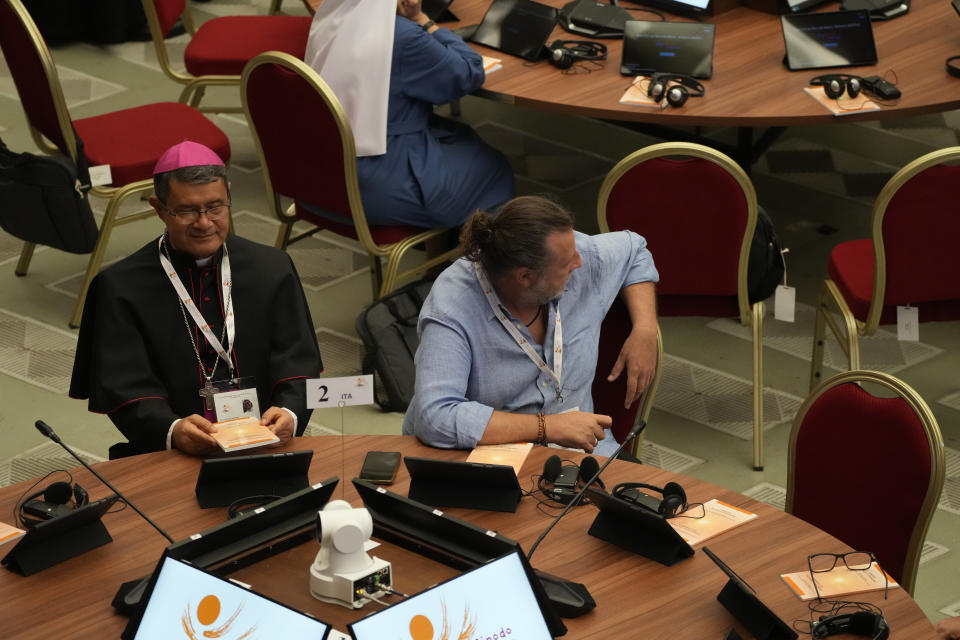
pixel 750 87
pixel 636 597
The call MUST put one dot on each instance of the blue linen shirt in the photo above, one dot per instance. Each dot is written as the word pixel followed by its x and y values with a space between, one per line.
pixel 468 365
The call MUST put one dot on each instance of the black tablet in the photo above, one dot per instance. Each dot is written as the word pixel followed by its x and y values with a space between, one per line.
pixel 741 600
pixel 517 27
pixel 222 481
pixel 668 47
pixel 61 538
pixel 475 485
pixel 825 40
pixel 184 601
pixel 496 599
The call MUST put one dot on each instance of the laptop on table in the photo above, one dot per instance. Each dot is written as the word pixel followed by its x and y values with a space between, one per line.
pixel 668 47
pixel 517 27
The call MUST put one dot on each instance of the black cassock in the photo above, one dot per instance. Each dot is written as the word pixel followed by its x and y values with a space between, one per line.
pixel 135 361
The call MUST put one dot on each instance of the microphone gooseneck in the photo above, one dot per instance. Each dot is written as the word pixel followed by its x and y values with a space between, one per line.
pixel 48 431
pixel 637 428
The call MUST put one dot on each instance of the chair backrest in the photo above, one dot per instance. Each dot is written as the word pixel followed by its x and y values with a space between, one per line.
pixel 35 76
pixel 916 219
pixel 304 138
pixel 868 469
pixel 697 213
pixel 608 396
pixel 161 16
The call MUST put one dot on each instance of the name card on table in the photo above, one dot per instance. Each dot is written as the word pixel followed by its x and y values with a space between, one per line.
pixel 323 393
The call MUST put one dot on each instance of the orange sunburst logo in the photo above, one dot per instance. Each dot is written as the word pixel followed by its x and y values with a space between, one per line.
pixel 207 614
pixel 421 627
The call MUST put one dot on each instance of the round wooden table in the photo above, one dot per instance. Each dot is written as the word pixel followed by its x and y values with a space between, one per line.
pixel 636 597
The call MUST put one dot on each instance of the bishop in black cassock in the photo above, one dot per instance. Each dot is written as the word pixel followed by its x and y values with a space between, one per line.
pixel 136 361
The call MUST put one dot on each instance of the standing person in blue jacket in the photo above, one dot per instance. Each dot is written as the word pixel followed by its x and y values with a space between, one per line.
pixel 388 65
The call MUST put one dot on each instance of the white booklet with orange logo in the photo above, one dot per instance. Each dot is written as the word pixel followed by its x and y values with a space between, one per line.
pixel 242 433
pixel 839 581
pixel 491 64
pixel 717 517
pixel 511 454
pixel 9 533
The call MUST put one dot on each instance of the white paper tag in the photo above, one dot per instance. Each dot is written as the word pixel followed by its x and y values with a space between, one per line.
pixel 100 175
pixel 785 303
pixel 908 324
pixel 239 403
pixel 323 393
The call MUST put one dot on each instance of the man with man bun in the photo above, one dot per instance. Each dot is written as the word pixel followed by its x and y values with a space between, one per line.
pixel 509 333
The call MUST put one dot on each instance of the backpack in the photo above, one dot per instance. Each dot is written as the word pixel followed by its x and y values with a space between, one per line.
pixel 388 328
pixel 765 264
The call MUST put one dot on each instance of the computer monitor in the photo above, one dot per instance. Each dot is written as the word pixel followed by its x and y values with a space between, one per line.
pixel 495 598
pixel 184 601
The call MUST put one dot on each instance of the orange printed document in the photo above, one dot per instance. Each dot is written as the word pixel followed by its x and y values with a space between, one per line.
pixel 491 64
pixel 9 533
pixel 242 433
pixel 839 581
pixel 512 454
pixel 718 517
pixel 636 94
pixel 843 106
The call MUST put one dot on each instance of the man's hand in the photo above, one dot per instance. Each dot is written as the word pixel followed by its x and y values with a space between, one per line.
pixel 638 357
pixel 948 629
pixel 192 435
pixel 280 422
pixel 577 429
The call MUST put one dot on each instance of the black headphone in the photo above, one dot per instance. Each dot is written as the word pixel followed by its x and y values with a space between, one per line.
pixel 676 95
pixel 674 501
pixel 861 623
pixel 563 53
pixel 953 66
pixel 554 467
pixel 55 501
pixel 835 84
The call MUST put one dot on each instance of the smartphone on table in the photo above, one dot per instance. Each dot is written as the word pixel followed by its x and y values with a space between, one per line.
pixel 380 467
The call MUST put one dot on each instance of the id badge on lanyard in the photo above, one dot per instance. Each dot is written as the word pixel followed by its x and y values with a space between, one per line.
pixel 229 399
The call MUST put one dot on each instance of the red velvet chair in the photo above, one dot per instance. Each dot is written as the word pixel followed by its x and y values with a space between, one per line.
pixel 307 153
pixel 608 396
pixel 911 259
pixel 697 209
pixel 130 140
pixel 867 469
pixel 220 48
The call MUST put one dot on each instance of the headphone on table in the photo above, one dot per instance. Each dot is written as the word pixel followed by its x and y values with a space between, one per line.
pixel 55 502
pixel 673 503
pixel 676 95
pixel 552 469
pixel 835 84
pixel 861 623
pixel 953 66
pixel 563 53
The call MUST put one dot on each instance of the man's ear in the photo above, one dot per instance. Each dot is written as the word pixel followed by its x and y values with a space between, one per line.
pixel 525 276
pixel 157 206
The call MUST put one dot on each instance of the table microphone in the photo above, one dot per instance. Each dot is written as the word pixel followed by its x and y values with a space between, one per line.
pixel 48 431
pixel 637 428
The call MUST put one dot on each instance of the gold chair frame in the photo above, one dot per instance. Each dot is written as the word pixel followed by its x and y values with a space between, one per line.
pixel 829 293
pixel 196 86
pixel 750 315
pixel 114 195
pixel 646 400
pixel 934 440
pixel 386 279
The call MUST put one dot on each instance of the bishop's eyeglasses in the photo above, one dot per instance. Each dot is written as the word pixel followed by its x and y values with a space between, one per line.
pixel 189 216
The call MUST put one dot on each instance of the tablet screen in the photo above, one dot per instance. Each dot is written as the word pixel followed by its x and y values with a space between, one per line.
pixel 823 40
pixel 668 47
pixel 493 599
pixel 189 603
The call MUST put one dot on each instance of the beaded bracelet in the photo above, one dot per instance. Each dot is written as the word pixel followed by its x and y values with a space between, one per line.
pixel 541 429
